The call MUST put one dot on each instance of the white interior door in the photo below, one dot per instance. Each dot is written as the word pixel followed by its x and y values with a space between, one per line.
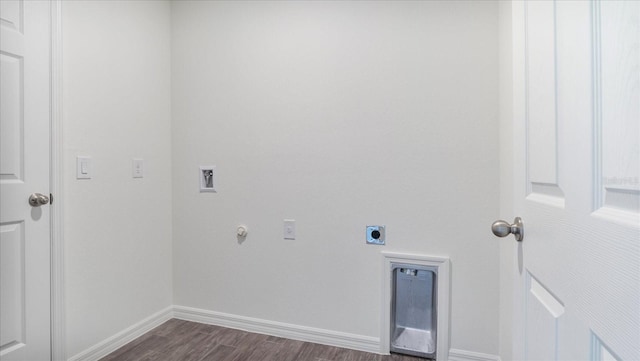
pixel 24 169
pixel 577 131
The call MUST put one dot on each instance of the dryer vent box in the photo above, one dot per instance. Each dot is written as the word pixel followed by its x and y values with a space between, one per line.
pixel 414 310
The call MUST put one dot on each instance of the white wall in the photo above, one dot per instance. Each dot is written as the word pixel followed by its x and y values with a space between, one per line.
pixel 116 107
pixel 338 115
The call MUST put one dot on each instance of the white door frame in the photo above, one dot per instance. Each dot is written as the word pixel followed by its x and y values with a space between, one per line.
pixel 56 166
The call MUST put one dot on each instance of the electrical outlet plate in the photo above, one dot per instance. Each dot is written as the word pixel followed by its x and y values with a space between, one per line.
pixel 376 235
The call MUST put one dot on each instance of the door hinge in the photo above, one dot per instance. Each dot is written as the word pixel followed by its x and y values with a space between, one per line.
pixel 50 198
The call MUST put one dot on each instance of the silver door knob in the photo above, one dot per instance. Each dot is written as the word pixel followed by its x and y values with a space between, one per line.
pixel 503 228
pixel 37 200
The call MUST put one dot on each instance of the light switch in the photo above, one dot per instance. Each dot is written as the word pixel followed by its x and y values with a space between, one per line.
pixel 138 168
pixel 83 167
pixel 289 229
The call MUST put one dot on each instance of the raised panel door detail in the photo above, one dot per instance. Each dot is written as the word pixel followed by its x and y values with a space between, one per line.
pixel 617 104
pixel 600 352
pixel 11 118
pixel 541 99
pixel 11 13
pixel 543 311
pixel 12 260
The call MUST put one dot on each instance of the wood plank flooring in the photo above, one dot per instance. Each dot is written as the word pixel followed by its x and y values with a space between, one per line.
pixel 178 340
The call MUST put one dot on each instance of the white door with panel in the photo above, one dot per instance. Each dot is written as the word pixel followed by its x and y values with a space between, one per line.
pixel 576 77
pixel 24 169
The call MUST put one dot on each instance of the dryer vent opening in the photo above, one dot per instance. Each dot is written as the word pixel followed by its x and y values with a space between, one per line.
pixel 414 310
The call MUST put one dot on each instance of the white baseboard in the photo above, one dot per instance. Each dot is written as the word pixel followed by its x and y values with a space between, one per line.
pixel 273 328
pixel 279 329
pixel 122 338
pixel 462 355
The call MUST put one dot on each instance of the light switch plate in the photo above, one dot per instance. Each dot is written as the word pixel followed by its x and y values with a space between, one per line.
pixel 83 167
pixel 289 229
pixel 138 168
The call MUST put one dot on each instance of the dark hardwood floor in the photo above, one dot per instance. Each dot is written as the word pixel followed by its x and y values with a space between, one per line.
pixel 178 340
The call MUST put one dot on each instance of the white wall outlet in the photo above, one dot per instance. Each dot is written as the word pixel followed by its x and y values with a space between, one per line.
pixel 138 168
pixel 208 178
pixel 83 167
pixel 289 229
